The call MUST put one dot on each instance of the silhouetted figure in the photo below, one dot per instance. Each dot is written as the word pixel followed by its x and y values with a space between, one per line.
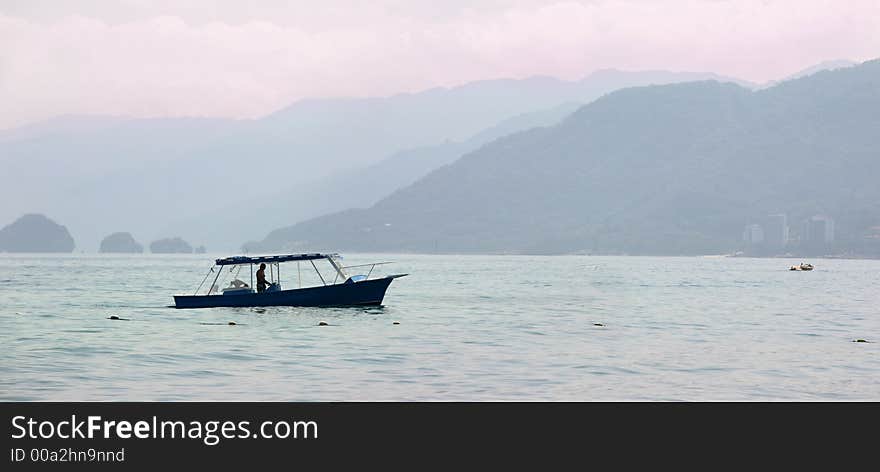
pixel 261 279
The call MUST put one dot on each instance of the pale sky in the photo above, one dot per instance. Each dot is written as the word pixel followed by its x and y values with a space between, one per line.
pixel 242 59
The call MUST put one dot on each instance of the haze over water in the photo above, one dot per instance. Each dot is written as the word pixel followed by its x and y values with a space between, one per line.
pixel 471 328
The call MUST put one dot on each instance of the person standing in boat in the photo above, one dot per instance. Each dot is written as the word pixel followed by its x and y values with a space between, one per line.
pixel 261 279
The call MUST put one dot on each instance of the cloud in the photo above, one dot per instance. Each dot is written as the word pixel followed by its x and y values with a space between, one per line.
pixel 189 65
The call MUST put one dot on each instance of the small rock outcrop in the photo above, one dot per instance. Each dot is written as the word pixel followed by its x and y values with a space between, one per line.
pixel 35 233
pixel 120 243
pixel 170 246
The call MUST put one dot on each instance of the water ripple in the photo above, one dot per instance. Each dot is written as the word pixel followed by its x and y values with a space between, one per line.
pixel 471 328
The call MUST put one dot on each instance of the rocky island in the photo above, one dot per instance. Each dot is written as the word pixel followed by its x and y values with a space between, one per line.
pixel 170 246
pixel 35 233
pixel 120 243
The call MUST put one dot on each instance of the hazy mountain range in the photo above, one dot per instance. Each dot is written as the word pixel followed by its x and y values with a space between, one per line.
pixel 361 188
pixel 218 182
pixel 671 169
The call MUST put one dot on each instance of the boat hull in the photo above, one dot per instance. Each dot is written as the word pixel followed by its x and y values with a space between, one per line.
pixel 367 292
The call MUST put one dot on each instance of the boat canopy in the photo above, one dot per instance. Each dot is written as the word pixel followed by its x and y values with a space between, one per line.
pixel 236 260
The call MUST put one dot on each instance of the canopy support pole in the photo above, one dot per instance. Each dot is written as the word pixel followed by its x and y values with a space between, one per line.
pixel 339 272
pixel 215 281
pixel 203 280
pixel 318 271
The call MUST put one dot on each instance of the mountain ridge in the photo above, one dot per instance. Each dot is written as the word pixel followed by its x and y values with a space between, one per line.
pixel 160 171
pixel 720 138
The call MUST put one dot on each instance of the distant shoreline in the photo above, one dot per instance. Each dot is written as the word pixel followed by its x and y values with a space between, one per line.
pixel 463 254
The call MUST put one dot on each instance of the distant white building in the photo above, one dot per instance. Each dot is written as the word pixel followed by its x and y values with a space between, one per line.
pixel 753 234
pixel 818 229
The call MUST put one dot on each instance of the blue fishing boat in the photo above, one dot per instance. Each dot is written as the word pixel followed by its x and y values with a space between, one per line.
pixel 342 290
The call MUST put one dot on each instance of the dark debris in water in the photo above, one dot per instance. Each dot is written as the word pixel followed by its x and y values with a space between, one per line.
pixel 231 323
pixel 598 324
pixel 859 341
pixel 322 323
pixel 114 317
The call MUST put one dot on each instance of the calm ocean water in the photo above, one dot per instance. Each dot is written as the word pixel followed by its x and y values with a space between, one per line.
pixel 471 328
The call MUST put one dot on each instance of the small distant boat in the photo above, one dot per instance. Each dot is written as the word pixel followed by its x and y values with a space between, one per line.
pixel 343 290
pixel 803 266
